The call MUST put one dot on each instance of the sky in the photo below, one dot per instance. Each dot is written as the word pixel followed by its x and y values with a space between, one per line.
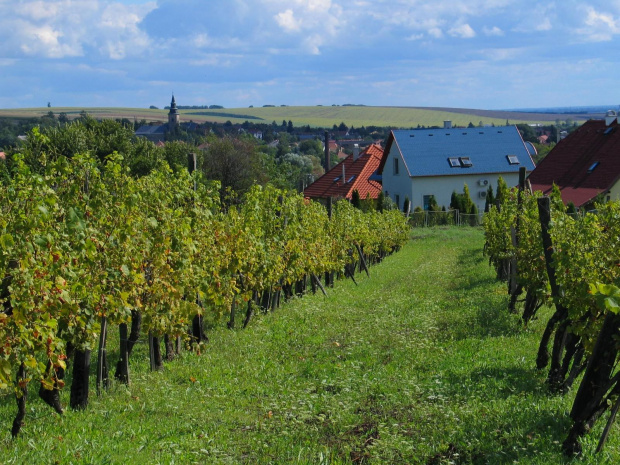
pixel 484 54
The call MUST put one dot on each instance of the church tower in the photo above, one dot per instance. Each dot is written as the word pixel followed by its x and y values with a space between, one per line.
pixel 173 115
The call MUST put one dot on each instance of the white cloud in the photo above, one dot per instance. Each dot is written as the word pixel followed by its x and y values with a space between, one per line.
pixel 287 21
pixel 502 54
pixel 66 28
pixel 415 37
pixel 435 32
pixel 317 21
pixel 493 31
pixel 544 25
pixel 599 27
pixel 464 31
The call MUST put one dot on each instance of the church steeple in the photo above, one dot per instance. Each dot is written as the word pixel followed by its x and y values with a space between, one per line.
pixel 173 114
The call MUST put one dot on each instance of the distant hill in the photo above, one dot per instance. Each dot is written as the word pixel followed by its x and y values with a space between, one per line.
pixel 593 111
pixel 324 116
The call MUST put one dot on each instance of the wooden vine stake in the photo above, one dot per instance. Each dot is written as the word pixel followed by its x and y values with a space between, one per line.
pixel 21 397
pixel 122 368
pixel 102 362
pixel 561 314
pixel 514 288
pixel 198 334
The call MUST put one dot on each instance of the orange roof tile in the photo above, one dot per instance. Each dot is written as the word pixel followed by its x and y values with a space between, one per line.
pixel 356 177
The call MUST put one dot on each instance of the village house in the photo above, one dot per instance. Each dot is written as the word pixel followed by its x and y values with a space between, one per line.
pixel 585 165
pixel 353 173
pixel 424 163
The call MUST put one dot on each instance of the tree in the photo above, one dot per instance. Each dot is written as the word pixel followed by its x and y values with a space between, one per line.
pixel 502 190
pixel 355 199
pixel 527 132
pixel 380 201
pixel 406 205
pixel 462 202
pixel 290 127
pixel 311 147
pixel 235 163
pixel 490 199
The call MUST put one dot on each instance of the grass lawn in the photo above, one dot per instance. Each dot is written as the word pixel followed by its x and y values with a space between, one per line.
pixel 420 363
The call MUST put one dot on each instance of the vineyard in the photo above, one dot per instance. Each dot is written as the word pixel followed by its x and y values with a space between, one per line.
pixel 85 247
pixel 549 257
pixel 110 258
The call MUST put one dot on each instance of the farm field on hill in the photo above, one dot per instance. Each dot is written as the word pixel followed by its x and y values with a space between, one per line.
pixel 420 363
pixel 318 116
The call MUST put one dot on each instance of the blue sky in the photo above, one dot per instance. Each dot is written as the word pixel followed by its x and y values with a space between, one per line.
pixel 488 54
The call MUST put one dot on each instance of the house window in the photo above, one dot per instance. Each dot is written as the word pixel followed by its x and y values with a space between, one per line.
pixel 512 159
pixel 428 199
pixel 395 166
pixel 397 201
pixel 593 167
pixel 466 162
pixel 454 162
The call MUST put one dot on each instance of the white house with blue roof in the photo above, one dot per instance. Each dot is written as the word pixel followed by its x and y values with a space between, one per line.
pixel 421 163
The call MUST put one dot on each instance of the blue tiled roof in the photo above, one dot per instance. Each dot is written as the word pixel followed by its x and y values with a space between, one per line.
pixel 427 151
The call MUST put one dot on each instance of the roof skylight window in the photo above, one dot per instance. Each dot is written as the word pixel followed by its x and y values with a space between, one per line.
pixel 608 131
pixel 454 162
pixel 512 159
pixel 466 162
pixel 351 179
pixel 337 179
pixel 593 166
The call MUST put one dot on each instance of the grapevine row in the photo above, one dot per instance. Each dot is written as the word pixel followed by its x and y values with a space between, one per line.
pixel 84 245
pixel 571 262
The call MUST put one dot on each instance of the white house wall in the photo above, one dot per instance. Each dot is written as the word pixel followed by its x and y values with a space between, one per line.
pixel 443 186
pixel 396 185
pixel 614 192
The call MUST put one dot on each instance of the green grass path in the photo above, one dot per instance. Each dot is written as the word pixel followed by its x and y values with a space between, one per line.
pixel 420 363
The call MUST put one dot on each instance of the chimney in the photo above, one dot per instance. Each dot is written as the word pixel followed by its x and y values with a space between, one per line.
pixel 610 117
pixel 447 124
pixel 356 151
pixel 344 179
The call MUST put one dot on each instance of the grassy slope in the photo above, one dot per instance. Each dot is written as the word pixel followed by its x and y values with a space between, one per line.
pixel 421 363
pixel 313 116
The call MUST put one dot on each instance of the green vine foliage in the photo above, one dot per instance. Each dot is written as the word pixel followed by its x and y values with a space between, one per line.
pixel 81 239
pixel 583 261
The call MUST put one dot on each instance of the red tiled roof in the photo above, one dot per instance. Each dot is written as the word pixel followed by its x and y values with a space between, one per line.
pixel 332 184
pixel 570 163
